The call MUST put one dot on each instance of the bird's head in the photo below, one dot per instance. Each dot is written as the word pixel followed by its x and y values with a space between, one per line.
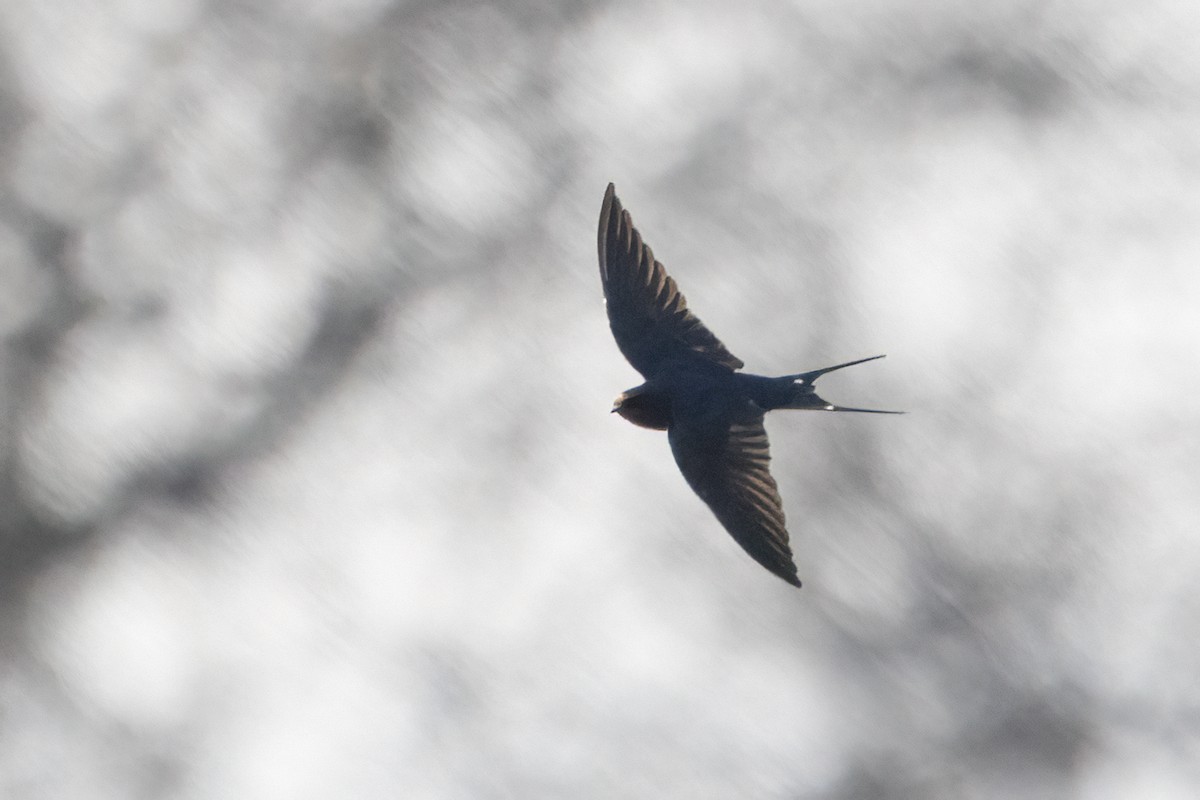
pixel 644 408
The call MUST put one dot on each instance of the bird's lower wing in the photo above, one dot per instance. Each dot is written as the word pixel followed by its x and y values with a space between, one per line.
pixel 727 463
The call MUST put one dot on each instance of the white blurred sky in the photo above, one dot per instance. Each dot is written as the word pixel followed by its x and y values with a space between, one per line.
pixel 310 487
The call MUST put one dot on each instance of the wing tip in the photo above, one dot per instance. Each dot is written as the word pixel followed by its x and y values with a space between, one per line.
pixel 788 573
pixel 610 200
pixel 616 226
pixel 606 209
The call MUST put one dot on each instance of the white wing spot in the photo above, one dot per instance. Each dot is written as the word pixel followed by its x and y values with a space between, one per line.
pixel 829 408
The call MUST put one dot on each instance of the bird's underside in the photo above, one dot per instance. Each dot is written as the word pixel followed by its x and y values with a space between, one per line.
pixel 713 415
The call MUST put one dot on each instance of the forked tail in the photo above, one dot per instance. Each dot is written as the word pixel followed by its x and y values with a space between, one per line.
pixel 805 396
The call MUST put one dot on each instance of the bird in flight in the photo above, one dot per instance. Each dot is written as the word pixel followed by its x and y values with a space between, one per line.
pixel 713 414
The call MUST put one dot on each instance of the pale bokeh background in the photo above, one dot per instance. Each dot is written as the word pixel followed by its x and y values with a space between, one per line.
pixel 309 484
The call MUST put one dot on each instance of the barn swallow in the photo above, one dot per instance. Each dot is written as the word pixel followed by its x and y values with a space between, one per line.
pixel 713 414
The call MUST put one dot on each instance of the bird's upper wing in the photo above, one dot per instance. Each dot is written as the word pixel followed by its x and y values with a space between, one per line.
pixel 648 315
pixel 726 462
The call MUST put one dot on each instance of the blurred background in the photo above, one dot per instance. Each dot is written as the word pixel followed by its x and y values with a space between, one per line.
pixel 309 483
